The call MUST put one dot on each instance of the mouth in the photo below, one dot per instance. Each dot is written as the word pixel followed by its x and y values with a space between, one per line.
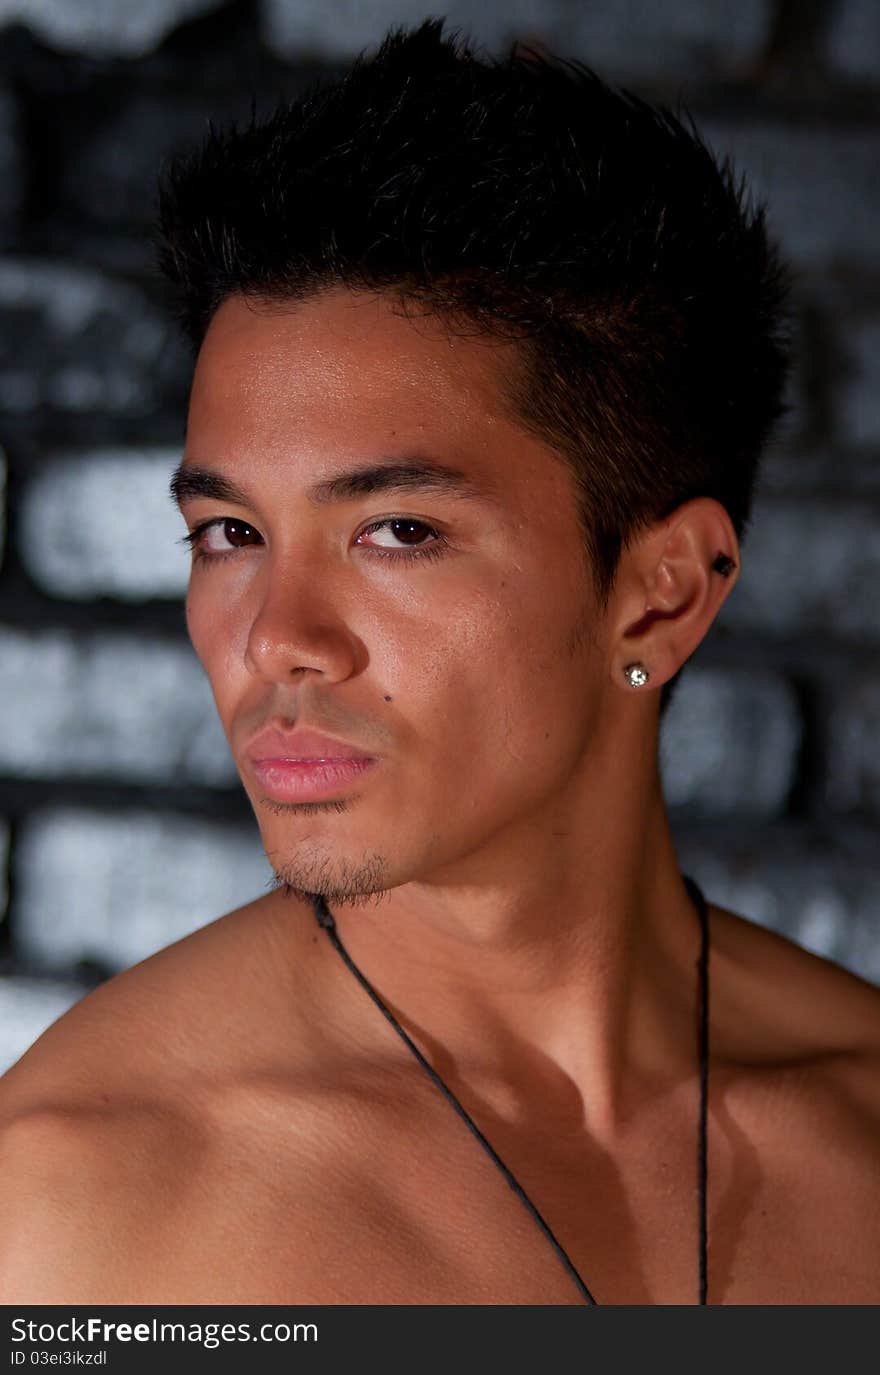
pixel 303 780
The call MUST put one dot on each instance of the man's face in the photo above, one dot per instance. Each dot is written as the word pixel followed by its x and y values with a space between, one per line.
pixel 475 677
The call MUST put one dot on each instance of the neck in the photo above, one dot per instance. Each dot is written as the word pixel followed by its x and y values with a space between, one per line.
pixel 559 963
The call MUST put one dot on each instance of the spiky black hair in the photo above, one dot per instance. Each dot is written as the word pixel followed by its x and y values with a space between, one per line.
pixel 523 197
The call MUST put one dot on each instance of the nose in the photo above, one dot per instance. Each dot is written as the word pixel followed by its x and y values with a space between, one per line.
pixel 299 624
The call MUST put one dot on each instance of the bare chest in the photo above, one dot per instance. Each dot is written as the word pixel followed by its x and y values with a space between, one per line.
pixel 417 1213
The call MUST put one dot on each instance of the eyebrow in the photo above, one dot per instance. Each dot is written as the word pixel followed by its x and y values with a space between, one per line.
pixel 190 481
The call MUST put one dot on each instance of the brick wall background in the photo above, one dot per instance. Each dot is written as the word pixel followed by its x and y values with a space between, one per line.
pixel 122 821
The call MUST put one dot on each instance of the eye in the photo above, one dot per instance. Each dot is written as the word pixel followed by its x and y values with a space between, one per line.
pixel 400 528
pixel 232 530
pixel 403 528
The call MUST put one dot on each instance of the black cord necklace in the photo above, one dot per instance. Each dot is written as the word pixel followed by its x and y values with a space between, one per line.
pixel 325 919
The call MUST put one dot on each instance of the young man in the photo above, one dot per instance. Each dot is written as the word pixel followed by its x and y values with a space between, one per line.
pixel 487 354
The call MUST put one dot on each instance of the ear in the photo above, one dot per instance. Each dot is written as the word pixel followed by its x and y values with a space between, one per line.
pixel 669 591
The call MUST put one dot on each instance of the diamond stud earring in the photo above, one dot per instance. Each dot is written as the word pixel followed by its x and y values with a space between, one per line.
pixel 637 674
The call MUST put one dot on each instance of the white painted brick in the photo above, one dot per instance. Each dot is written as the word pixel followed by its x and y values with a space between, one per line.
pixel 4 867
pixel 729 742
pixel 820 184
pixel 116 888
pixel 112 180
pixel 102 27
pixel 851 712
pixel 860 390
pixel 310 26
pixel 854 39
pixel 631 36
pixel 103 524
pixel 809 567
pixel 75 341
pixel 808 470
pixel 110 706
pixel 820 893
pixel 12 146
pixel 642 38
pixel 27 1008
pixel 2 507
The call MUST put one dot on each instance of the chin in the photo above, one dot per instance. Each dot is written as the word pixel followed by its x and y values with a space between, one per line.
pixel 358 879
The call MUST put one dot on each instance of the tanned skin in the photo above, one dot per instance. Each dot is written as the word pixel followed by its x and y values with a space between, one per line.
pixel 232 1120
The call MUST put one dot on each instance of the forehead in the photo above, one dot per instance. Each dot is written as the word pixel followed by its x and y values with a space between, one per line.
pixel 344 374
pixel 346 355
pixel 293 394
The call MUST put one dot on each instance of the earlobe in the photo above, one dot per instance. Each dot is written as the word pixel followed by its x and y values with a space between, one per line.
pixel 636 675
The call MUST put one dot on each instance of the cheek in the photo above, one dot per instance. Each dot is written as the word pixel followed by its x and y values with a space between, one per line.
pixel 215 637
pixel 494 680
pixel 220 606
pixel 203 629
pixel 479 672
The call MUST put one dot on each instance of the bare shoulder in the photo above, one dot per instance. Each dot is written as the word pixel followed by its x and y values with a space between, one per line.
pixel 77 1179
pixel 808 1028
pixel 177 1012
pixel 107 1120
pixel 806 996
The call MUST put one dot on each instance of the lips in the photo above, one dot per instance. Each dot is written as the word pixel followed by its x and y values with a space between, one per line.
pixel 309 780
pixel 300 744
